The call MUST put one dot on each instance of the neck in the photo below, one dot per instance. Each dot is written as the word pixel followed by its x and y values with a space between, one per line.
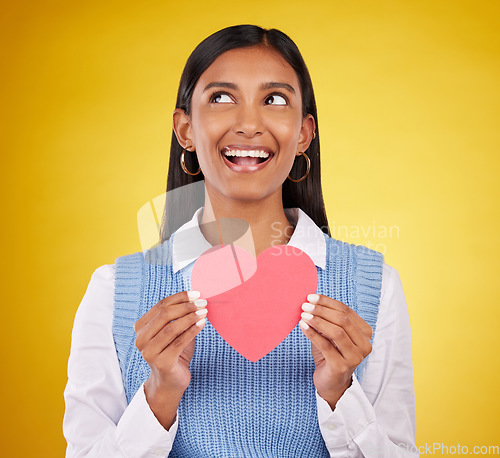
pixel 263 223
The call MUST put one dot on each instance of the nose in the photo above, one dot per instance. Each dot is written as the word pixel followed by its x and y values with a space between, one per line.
pixel 248 121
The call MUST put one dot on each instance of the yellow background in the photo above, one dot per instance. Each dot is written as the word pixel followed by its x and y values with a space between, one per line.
pixel 408 106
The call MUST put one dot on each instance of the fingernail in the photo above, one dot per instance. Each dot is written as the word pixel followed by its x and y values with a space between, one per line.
pixel 200 303
pixel 193 295
pixel 313 298
pixel 306 316
pixel 201 312
pixel 303 325
pixel 307 307
pixel 201 322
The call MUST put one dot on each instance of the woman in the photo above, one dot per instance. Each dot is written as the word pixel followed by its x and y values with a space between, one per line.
pixel 149 375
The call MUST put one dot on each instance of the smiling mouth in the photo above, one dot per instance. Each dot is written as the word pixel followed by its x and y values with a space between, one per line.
pixel 247 157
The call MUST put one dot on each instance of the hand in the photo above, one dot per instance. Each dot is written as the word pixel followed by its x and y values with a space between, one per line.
pixel 165 338
pixel 340 340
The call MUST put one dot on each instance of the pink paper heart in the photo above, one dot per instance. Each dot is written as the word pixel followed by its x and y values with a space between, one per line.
pixel 254 303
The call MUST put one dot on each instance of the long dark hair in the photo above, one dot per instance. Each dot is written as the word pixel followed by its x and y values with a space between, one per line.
pixel 307 194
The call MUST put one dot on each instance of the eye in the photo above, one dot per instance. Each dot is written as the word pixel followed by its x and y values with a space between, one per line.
pixel 220 97
pixel 277 99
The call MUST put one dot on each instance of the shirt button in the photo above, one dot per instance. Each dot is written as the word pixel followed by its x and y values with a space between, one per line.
pixel 332 427
pixel 160 452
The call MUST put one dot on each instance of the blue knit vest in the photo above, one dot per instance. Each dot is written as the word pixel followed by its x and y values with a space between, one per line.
pixel 232 407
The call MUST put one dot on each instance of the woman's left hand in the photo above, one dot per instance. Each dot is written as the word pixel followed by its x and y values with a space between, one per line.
pixel 340 340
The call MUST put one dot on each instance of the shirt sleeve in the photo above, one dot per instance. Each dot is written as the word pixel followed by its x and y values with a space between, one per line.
pixel 376 417
pixel 97 420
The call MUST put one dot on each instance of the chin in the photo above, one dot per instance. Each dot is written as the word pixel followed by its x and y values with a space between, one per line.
pixel 244 194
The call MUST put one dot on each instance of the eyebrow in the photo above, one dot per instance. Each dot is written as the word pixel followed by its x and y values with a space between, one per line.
pixel 264 86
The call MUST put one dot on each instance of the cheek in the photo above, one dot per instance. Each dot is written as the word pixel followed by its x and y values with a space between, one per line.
pixel 287 131
pixel 208 128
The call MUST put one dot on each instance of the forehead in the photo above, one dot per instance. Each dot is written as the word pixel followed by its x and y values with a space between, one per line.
pixel 255 64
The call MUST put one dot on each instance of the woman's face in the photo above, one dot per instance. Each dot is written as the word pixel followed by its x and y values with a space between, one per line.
pixel 246 124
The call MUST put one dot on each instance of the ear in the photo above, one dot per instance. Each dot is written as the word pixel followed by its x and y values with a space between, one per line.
pixel 182 128
pixel 306 133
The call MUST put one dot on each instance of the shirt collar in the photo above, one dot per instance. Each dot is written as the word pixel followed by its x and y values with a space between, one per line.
pixel 189 243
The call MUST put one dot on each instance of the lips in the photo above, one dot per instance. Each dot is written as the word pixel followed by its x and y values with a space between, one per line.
pixel 246 158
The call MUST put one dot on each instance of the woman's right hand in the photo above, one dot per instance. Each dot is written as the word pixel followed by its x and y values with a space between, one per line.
pixel 165 338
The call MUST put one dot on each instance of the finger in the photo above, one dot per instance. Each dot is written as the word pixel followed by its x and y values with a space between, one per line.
pixel 164 315
pixel 350 352
pixel 324 345
pixel 167 313
pixel 170 332
pixel 333 304
pixel 320 299
pixel 182 296
pixel 342 319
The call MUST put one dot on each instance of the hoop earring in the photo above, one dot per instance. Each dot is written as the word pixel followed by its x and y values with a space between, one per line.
pixel 308 161
pixel 183 165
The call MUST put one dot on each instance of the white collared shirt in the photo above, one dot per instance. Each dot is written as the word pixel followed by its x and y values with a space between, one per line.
pixel 374 418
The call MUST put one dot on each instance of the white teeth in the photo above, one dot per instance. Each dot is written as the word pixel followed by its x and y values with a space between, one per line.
pixel 246 153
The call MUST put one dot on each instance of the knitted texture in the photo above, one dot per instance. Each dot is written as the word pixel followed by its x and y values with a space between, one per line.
pixel 233 407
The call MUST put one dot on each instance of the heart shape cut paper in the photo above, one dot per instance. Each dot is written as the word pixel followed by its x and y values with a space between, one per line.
pixel 254 303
